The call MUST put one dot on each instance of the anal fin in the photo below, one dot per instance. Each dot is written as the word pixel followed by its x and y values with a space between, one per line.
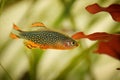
pixel 31 44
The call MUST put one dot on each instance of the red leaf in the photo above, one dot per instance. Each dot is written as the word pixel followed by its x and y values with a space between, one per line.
pixel 99 36
pixel 108 43
pixel 78 35
pixel 94 36
pixel 110 47
pixel 94 8
pixel 113 9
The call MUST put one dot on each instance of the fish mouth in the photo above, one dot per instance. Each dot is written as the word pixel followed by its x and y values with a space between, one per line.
pixel 77 45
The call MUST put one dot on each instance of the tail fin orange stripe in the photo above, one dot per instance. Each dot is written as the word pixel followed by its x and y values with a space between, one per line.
pixel 14 36
pixel 16 28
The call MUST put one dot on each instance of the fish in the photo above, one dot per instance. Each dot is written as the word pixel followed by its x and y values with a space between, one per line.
pixel 113 9
pixel 44 38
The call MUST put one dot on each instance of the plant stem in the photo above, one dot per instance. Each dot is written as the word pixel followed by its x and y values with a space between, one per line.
pixel 6 72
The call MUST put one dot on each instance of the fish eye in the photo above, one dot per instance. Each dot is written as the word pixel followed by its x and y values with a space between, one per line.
pixel 70 43
pixel 73 42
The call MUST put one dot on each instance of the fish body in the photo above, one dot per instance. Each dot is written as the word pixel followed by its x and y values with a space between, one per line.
pixel 113 9
pixel 45 38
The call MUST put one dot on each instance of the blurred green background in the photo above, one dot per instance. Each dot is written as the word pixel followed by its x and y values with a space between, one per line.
pixel 20 63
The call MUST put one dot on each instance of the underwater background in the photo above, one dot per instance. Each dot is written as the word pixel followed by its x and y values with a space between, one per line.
pixel 17 62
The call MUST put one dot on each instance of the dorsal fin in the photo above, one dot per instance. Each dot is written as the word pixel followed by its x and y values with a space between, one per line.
pixel 38 24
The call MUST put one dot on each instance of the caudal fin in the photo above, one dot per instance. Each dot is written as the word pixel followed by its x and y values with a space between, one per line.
pixel 94 8
pixel 14 36
pixel 16 28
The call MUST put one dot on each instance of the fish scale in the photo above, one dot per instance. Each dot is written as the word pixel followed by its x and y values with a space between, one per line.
pixel 43 37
